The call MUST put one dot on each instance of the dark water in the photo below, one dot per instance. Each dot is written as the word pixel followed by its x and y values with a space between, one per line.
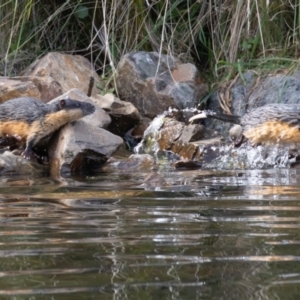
pixel 201 235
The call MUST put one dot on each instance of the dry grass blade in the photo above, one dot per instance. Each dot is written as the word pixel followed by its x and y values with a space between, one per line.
pixel 206 32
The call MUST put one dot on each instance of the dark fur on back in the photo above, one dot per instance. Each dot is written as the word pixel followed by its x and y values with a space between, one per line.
pixel 23 108
pixel 30 109
pixel 288 113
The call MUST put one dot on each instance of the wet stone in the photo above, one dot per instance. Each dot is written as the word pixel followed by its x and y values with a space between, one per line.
pixel 168 134
pixel 249 157
pixel 16 164
pixel 154 180
pixel 187 164
pixel 136 162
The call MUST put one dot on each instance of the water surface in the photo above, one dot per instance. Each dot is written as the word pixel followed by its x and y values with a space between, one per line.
pixel 192 235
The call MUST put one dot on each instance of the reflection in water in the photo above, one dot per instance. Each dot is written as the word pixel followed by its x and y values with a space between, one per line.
pixel 199 235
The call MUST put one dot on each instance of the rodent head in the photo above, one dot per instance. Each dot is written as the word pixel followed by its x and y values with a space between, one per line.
pixel 236 134
pixel 70 104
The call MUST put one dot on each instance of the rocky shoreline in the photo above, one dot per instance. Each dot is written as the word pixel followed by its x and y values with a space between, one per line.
pixel 157 96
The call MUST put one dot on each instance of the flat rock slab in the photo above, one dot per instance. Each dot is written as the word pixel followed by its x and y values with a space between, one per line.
pixel 44 89
pixel 15 88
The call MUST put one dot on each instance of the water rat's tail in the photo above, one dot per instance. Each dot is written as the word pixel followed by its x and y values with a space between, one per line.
pixel 223 117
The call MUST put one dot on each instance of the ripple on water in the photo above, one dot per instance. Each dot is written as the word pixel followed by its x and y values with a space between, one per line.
pixel 203 235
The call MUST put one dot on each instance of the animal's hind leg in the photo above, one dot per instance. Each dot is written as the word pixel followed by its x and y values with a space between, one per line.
pixel 30 154
pixel 28 150
pixel 31 142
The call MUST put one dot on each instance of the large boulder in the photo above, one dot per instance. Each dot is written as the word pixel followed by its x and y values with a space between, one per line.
pixel 155 82
pixel 49 77
pixel 71 71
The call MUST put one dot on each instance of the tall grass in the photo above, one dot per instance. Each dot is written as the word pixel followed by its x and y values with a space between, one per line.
pixel 219 36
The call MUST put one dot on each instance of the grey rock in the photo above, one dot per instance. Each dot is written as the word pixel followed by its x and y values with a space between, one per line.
pixel 154 82
pixel 80 146
pixel 15 164
pixel 165 134
pixel 124 114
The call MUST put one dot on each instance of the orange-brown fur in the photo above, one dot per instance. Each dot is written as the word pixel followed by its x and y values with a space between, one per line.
pixel 272 132
pixel 11 128
pixel 52 122
pixel 39 128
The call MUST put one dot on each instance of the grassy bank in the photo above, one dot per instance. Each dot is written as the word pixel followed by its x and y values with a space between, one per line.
pixel 221 37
